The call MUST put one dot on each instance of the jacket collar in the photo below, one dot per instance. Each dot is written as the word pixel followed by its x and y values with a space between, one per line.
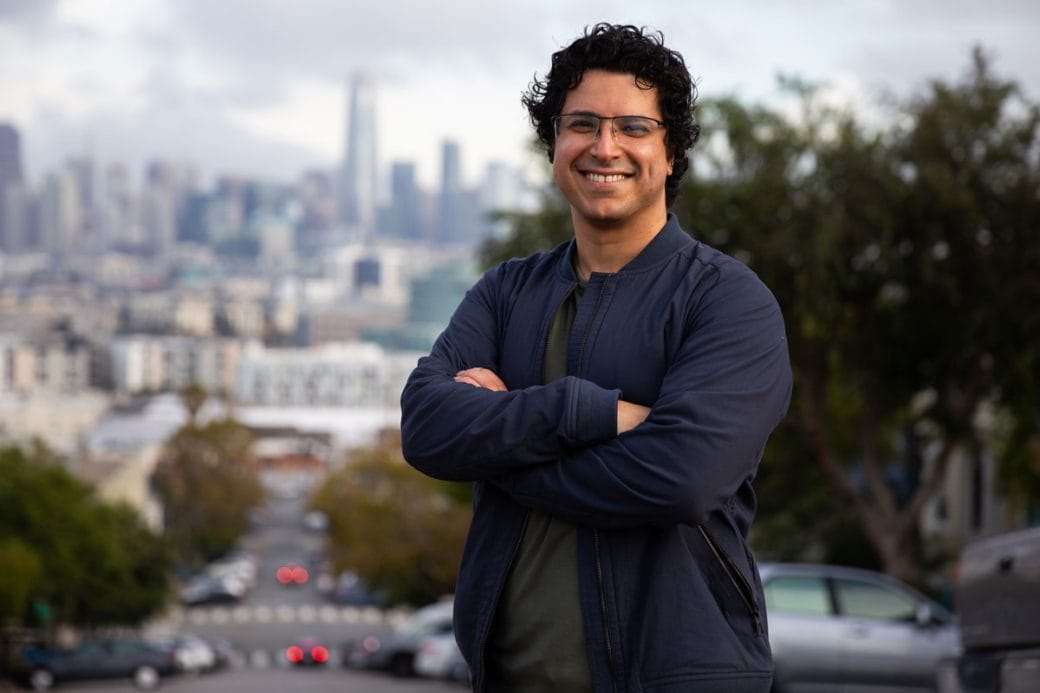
pixel 669 240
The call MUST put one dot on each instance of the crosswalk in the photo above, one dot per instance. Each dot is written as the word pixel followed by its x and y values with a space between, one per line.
pixel 285 613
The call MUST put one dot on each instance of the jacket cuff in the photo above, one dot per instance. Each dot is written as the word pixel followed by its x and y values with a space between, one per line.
pixel 595 413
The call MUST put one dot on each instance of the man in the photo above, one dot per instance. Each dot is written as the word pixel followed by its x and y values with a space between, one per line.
pixel 610 399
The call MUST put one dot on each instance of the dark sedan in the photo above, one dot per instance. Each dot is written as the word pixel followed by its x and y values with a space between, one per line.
pixel 115 658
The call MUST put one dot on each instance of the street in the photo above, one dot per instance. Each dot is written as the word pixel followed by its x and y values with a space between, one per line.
pixel 274 616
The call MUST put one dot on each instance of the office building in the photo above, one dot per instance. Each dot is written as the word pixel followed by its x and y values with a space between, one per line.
pixel 358 185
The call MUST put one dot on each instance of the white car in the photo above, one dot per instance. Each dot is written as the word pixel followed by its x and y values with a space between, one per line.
pixel 192 654
pixel 438 657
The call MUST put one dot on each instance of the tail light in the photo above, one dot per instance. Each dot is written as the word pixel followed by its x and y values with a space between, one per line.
pixel 294 654
pixel 319 654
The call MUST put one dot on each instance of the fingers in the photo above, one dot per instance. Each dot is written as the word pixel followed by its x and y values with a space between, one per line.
pixel 481 377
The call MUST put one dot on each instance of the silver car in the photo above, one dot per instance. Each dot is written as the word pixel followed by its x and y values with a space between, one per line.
pixel 834 628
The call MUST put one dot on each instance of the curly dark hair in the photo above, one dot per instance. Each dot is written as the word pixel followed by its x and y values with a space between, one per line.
pixel 628 50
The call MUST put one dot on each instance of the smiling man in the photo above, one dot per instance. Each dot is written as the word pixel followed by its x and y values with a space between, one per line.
pixel 610 399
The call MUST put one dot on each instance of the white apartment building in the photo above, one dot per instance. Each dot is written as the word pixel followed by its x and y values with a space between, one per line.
pixel 47 363
pixel 355 374
pixel 145 363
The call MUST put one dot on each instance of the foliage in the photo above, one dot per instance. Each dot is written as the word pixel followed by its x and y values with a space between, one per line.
pixel 83 561
pixel 904 261
pixel 530 232
pixel 399 530
pixel 208 486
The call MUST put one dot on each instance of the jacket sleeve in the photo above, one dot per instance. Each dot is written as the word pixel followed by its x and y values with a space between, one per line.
pixel 727 388
pixel 458 432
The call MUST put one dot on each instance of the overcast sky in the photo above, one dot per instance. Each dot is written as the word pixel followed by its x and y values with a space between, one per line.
pixel 259 87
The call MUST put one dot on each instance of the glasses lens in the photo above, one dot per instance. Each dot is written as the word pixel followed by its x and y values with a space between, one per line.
pixel 578 124
pixel 634 126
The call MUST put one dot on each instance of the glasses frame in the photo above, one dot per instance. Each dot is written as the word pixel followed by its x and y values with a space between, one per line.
pixel 599 124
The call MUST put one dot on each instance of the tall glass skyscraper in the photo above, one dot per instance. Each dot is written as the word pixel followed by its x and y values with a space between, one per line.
pixel 357 201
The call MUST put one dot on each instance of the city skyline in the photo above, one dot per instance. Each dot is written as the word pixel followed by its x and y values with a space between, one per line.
pixel 261 88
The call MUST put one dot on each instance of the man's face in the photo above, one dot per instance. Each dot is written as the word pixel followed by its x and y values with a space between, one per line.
pixel 612 181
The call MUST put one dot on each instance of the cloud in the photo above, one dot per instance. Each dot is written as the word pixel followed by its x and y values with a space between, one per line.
pixel 271 76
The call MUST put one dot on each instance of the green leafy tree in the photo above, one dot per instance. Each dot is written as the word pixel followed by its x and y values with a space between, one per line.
pixel 208 486
pixel 80 560
pixel 399 530
pixel 905 263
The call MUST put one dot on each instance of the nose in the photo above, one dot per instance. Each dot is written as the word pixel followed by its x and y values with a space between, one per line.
pixel 605 144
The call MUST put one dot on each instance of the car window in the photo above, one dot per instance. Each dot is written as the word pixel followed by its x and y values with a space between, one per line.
pixel 93 649
pixel 797 595
pixel 867 600
pixel 123 647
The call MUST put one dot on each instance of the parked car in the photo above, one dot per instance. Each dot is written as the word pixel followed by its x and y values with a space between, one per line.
pixel 439 657
pixel 135 659
pixel 998 602
pixel 836 628
pixel 394 651
pixel 192 654
pixel 212 589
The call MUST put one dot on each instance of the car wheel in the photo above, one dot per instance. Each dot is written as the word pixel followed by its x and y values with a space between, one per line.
pixel 146 678
pixel 41 680
pixel 401 665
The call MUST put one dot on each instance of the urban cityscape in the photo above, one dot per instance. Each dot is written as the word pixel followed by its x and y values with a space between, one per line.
pixel 280 299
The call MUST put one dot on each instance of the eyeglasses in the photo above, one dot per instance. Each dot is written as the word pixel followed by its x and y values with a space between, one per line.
pixel 589 125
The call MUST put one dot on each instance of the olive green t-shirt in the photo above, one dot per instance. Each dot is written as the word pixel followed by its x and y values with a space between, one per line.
pixel 537 640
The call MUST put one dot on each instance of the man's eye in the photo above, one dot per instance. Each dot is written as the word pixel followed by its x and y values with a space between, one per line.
pixel 635 127
pixel 581 125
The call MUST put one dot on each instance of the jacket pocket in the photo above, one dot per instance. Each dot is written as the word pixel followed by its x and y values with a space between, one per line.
pixel 737 579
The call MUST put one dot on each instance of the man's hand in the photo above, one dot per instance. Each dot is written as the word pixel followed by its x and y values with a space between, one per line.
pixel 481 377
pixel 630 415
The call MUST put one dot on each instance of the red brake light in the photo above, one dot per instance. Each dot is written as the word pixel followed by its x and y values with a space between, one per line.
pixel 319 654
pixel 299 575
pixel 294 654
pixel 284 575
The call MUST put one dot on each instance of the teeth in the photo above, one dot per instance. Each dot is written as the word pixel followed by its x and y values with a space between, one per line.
pixel 601 178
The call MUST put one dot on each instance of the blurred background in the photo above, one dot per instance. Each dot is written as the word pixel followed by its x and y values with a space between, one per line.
pixel 229 229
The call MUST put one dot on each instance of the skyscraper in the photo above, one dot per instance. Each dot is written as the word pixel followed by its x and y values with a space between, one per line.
pixel 404 219
pixel 10 178
pixel 10 156
pixel 457 213
pixel 357 203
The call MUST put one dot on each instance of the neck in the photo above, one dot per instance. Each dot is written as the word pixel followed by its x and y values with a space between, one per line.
pixel 608 249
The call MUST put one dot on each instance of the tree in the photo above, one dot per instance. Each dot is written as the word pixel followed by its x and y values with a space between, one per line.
pixel 904 261
pixel 399 530
pixel 208 486
pixel 80 560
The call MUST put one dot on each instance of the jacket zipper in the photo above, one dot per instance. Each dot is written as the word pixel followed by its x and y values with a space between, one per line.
pixel 603 610
pixel 595 532
pixel 739 581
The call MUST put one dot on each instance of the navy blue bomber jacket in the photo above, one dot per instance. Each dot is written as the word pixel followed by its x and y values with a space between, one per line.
pixel 670 593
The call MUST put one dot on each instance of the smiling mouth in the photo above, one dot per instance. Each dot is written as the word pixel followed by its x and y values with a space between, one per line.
pixel 605 177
